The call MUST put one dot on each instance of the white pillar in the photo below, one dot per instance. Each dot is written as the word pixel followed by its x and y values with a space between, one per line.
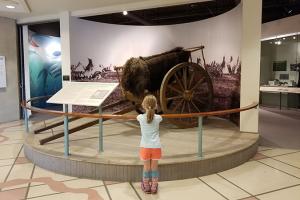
pixel 26 65
pixel 65 48
pixel 250 56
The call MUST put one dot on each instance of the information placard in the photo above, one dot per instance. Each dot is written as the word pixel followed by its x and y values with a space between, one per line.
pixel 83 93
pixel 2 72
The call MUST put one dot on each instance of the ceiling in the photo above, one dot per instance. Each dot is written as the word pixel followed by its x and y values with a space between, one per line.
pixel 278 9
pixel 272 10
pixel 169 15
pixel 28 9
pixel 149 12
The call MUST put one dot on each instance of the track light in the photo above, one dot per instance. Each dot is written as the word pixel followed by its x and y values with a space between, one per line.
pixel 278 42
pixel 10 6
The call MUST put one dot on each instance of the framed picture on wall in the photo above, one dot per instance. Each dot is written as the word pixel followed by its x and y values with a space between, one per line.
pixel 279 65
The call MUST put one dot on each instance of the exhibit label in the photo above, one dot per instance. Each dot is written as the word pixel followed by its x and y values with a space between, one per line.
pixel 83 93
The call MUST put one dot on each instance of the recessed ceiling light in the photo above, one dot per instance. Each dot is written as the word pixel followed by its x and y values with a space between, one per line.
pixel 10 6
pixel 125 12
pixel 283 38
pixel 294 37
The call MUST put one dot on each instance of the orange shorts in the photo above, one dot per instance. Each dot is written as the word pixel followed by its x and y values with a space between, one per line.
pixel 150 153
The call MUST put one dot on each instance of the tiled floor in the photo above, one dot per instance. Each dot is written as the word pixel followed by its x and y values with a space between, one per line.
pixel 273 174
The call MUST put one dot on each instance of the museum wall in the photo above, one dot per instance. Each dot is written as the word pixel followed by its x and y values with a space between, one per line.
pixel 108 44
pixel 96 48
pixel 266 62
pixel 9 96
pixel 280 27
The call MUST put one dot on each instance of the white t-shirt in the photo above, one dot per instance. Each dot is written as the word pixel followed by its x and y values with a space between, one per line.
pixel 150 131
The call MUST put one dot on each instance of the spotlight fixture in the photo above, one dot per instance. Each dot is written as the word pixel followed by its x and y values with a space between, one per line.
pixel 283 38
pixel 10 6
pixel 278 42
pixel 294 37
pixel 125 12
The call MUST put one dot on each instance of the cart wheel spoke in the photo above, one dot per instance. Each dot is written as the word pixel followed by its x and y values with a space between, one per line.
pixel 175 89
pixel 198 83
pixel 202 100
pixel 189 107
pixel 202 93
pixel 177 106
pixel 191 80
pixel 192 102
pixel 174 98
pixel 185 77
pixel 179 82
pixel 183 106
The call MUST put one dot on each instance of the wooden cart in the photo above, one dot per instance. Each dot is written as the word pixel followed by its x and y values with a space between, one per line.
pixel 180 85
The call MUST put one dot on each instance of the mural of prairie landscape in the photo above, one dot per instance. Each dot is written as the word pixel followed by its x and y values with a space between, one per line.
pixel 226 79
pixel 225 75
pixel 98 73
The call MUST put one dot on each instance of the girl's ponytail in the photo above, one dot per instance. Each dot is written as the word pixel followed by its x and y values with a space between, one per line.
pixel 149 104
pixel 150 114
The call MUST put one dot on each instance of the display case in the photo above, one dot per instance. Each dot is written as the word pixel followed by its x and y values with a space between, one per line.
pixel 280 62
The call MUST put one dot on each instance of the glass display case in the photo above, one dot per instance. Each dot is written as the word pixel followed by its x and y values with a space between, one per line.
pixel 280 66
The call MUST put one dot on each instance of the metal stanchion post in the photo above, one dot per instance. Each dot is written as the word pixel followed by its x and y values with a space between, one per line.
pixel 66 131
pixel 100 131
pixel 200 153
pixel 26 120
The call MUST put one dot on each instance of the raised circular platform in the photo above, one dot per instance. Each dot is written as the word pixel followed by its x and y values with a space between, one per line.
pixel 224 147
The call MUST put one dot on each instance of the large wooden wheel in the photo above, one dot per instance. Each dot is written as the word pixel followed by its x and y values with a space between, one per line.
pixel 186 88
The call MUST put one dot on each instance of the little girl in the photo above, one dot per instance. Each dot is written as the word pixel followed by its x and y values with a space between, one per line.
pixel 150 147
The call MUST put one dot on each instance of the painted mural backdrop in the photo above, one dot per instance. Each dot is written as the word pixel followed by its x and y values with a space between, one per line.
pixel 97 48
pixel 44 66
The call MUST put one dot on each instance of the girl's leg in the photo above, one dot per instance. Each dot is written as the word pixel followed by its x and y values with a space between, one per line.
pixel 154 175
pixel 146 177
pixel 147 166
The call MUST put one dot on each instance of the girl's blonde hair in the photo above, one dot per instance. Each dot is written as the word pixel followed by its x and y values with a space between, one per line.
pixel 149 104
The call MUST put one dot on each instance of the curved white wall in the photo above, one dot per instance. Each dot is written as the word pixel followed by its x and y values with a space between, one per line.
pixel 109 44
